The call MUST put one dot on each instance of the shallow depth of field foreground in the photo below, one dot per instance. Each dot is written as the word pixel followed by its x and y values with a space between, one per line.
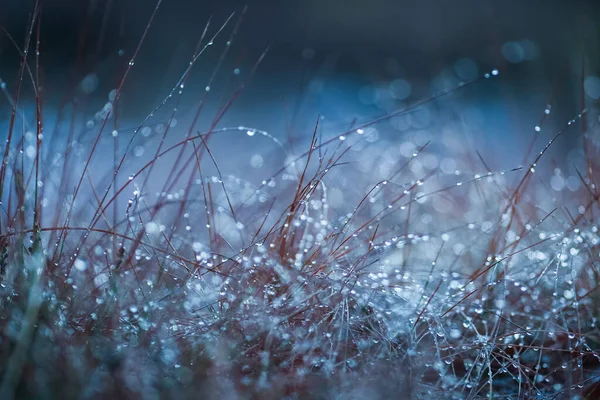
pixel 176 235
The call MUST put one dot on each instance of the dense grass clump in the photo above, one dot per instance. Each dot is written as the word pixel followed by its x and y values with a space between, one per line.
pixel 134 265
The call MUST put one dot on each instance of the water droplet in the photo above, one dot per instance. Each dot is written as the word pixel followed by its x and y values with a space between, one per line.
pixel 80 265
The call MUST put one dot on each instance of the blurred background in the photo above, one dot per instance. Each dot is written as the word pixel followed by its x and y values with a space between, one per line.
pixel 347 61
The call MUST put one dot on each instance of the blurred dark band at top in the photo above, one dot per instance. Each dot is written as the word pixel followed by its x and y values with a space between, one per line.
pixel 424 34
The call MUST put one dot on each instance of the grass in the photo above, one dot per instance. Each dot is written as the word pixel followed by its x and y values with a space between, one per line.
pixel 478 284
